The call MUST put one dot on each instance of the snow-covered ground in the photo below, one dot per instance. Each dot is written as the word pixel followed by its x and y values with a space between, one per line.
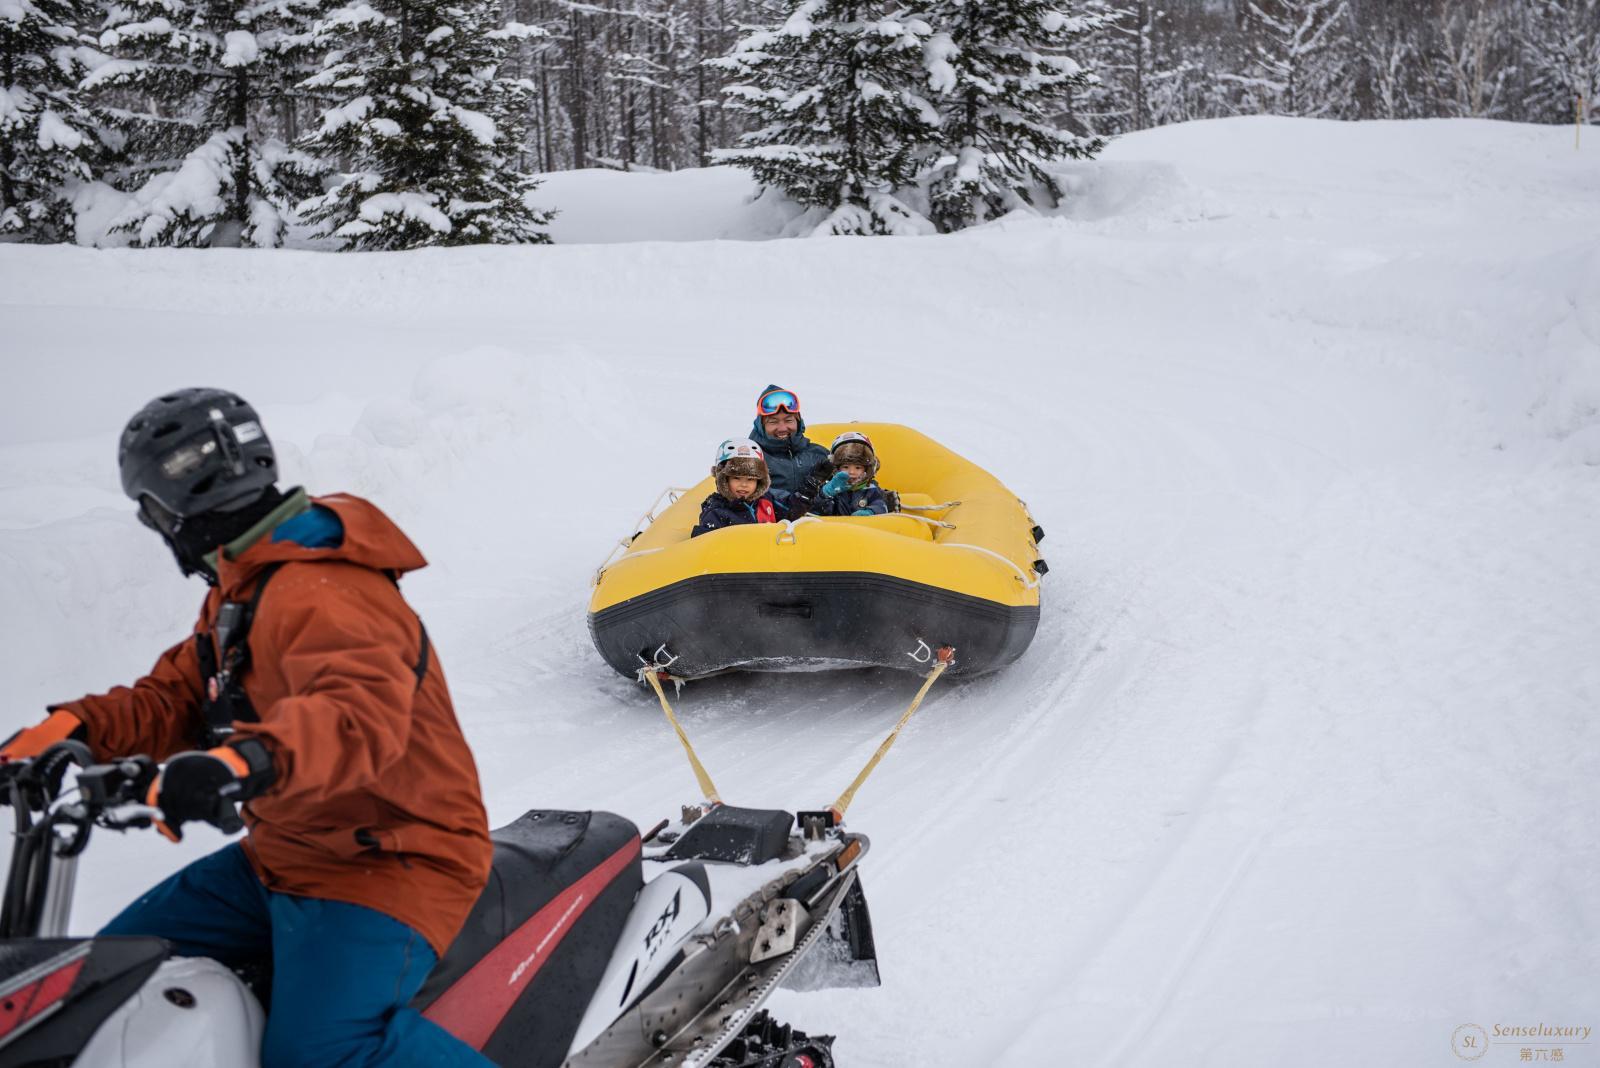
pixel 1303 766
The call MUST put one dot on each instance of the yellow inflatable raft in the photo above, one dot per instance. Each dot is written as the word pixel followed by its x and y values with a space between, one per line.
pixel 958 566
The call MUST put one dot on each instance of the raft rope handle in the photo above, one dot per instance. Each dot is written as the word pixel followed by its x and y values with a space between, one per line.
pixel 945 657
pixel 947 505
pixel 788 528
pixel 1027 583
pixel 652 673
pixel 639 527
pixel 925 519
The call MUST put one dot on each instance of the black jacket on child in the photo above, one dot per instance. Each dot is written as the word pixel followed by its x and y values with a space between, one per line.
pixel 869 496
pixel 718 511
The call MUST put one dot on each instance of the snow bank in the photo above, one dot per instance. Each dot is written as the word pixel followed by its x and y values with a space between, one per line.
pixel 1302 766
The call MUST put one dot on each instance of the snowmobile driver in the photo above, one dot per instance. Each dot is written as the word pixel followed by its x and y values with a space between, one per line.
pixel 308 691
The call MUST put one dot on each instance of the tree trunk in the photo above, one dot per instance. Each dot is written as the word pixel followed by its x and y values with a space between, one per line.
pixel 702 156
pixel 8 193
pixel 1143 13
pixel 580 89
pixel 228 233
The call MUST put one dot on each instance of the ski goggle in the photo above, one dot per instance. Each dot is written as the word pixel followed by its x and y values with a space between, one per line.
pixel 774 400
pixel 157 518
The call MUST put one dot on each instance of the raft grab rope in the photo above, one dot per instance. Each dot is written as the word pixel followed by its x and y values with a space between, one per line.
pixel 788 529
pixel 924 519
pixel 671 493
pixel 1028 582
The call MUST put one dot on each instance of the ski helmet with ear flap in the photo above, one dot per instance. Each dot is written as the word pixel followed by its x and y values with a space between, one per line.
pixel 196 450
pixel 852 447
pixel 743 458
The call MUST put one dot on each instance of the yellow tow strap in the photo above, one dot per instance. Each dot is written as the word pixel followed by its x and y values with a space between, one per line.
pixel 706 785
pixel 945 660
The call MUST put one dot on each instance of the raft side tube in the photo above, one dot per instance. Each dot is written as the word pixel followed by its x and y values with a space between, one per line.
pixel 785 622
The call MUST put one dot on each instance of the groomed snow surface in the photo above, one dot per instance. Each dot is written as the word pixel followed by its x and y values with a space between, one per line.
pixel 1303 765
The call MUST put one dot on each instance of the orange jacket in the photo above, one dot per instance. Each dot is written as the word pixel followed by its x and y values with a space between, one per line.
pixel 376 800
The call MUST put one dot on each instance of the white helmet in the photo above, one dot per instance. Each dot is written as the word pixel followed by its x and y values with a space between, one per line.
pixel 743 458
pixel 735 447
pixel 853 447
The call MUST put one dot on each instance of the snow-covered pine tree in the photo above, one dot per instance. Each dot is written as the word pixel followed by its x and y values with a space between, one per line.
pixel 1390 45
pixel 1561 57
pixel 837 92
pixel 47 138
pixel 192 85
pixel 1122 56
pixel 428 131
pixel 1007 75
pixel 1300 55
pixel 1470 60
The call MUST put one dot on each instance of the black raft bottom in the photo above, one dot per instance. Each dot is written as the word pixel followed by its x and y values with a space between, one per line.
pixel 808 621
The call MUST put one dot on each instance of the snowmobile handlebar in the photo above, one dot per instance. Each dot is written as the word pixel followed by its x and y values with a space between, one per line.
pixel 34 785
pixel 37 895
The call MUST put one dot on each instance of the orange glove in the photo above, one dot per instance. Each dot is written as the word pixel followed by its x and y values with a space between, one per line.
pixel 31 741
pixel 206 785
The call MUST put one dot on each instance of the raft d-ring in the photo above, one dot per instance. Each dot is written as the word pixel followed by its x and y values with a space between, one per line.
pixel 921 654
pixel 655 663
pixel 657 666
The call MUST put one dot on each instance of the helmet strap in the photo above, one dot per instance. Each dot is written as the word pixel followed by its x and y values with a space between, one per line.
pixel 197 536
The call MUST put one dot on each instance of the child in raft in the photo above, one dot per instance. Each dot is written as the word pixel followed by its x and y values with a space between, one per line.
pixel 743 490
pixel 853 489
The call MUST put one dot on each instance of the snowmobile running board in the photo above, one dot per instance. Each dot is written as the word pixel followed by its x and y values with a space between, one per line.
pixel 654 1026
pixel 724 1018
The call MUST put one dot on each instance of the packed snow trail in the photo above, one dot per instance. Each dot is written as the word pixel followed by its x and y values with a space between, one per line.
pixel 1302 765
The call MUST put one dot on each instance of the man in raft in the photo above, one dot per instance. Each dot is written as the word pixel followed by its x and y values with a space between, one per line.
pixel 795 465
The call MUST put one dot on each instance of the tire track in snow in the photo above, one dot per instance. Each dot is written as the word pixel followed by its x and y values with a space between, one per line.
pixel 1186 956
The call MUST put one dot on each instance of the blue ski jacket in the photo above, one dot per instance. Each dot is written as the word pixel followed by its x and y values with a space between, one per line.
pixel 788 462
pixel 716 512
pixel 867 495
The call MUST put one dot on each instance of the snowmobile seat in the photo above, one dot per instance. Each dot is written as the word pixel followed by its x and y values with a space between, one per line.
pixel 517 979
pixel 735 836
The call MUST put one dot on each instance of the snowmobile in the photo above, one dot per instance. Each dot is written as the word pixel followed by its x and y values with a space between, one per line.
pixel 591 946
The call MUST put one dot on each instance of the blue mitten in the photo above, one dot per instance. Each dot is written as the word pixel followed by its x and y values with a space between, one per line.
pixel 863 511
pixel 836 485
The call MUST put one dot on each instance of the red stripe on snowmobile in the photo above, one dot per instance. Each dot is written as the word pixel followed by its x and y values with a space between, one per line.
pixel 476 1003
pixel 38 997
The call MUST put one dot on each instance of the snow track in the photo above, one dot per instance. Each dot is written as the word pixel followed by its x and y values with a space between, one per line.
pixel 1302 766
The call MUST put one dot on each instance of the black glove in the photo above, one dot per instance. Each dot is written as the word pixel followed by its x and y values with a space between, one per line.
pixel 800 500
pixel 206 786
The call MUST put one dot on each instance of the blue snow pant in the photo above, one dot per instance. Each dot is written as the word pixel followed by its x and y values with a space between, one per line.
pixel 342 974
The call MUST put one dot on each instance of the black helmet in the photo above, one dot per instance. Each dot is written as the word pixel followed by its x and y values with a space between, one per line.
pixel 196 450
